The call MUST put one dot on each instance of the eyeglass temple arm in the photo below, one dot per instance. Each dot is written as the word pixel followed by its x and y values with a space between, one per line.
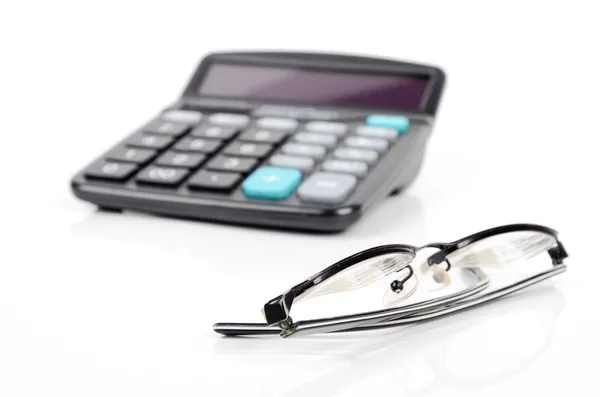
pixel 245 329
pixel 342 323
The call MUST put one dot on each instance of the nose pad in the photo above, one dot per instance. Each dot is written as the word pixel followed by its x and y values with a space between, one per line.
pixel 401 288
pixel 434 277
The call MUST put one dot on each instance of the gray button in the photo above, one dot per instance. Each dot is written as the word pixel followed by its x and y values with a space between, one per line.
pixel 360 142
pixel 366 155
pixel 277 123
pixel 317 139
pixel 323 187
pixel 229 119
pixel 301 163
pixel 263 136
pixel 300 149
pixel 327 127
pixel 182 116
pixel 357 168
pixel 377 132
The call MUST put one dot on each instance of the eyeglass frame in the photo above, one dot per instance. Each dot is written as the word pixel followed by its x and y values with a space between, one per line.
pixel 277 310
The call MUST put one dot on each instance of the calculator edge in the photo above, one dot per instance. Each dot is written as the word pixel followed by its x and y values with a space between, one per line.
pixel 316 220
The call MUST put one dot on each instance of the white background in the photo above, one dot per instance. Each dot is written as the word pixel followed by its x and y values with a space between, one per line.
pixel 96 304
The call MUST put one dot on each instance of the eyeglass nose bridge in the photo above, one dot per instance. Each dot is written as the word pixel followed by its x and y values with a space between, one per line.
pixel 440 256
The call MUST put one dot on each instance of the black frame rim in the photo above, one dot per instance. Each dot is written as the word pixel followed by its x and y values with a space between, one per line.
pixel 276 311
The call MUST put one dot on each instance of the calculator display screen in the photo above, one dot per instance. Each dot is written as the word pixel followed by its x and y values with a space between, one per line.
pixel 315 86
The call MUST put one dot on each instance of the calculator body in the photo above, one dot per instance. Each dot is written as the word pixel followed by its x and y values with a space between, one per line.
pixel 283 140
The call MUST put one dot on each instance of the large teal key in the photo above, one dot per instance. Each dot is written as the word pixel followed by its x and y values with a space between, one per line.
pixel 272 183
pixel 399 123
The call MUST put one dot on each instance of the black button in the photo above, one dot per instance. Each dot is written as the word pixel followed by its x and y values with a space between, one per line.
pixel 163 127
pixel 264 136
pixel 198 145
pixel 214 132
pixel 131 155
pixel 248 149
pixel 219 181
pixel 161 175
pixel 233 164
pixel 148 141
pixel 110 171
pixel 175 159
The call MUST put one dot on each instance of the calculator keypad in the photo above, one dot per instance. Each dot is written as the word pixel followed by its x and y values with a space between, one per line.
pixel 327 140
pixel 328 188
pixel 248 149
pixel 177 159
pixel 163 127
pixel 268 158
pixel 367 155
pixel 216 181
pixel 277 123
pixel 147 141
pixel 131 155
pixel 199 145
pixel 214 132
pixel 161 175
pixel 263 136
pixel 231 164
pixel 303 164
pixel 301 149
pixel 110 171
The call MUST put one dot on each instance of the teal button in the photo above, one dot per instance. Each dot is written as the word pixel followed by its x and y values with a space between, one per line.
pixel 399 123
pixel 272 183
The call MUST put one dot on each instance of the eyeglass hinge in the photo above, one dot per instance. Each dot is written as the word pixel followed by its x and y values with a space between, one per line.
pixel 557 254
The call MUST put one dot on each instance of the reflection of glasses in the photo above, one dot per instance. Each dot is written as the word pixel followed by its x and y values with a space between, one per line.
pixel 493 248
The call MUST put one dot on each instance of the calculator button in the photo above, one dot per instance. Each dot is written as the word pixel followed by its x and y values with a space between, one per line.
pixel 265 136
pixel 248 149
pixel 233 164
pixel 272 183
pixel 150 141
pixel 360 142
pixel 356 168
pixel 214 132
pixel 277 123
pixel 163 127
pixel 131 155
pixel 300 149
pixel 209 180
pixel 327 127
pixel 283 160
pixel 327 188
pixel 377 132
pixel 368 156
pixel 175 159
pixel 229 120
pixel 328 140
pixel 161 176
pixel 399 123
pixel 198 145
pixel 182 116
pixel 110 171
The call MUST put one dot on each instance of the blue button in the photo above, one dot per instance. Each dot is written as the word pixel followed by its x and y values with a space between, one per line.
pixel 272 183
pixel 399 123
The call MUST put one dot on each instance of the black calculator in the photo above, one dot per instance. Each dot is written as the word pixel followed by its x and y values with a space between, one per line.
pixel 275 139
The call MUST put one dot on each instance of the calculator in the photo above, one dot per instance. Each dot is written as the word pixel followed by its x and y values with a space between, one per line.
pixel 301 141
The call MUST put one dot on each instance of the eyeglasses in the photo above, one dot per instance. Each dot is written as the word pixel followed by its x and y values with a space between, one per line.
pixel 490 249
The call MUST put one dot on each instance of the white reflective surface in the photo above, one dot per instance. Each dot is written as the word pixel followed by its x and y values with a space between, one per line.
pixel 98 304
